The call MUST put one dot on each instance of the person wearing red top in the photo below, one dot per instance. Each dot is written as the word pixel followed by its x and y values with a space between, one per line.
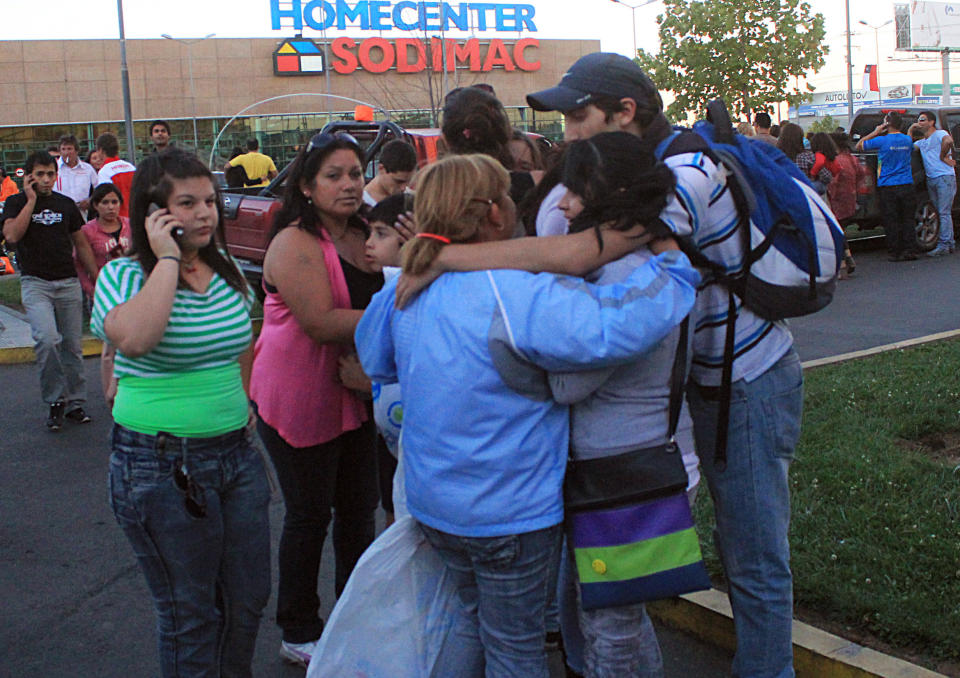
pixel 115 171
pixel 825 155
pixel 108 234
pixel 842 191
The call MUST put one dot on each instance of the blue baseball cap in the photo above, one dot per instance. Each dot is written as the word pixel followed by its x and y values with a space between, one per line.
pixel 600 73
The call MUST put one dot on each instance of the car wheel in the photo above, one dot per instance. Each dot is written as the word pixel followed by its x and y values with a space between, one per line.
pixel 928 226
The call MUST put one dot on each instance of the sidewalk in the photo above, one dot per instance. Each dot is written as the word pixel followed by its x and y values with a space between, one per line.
pixel 16 342
pixel 14 329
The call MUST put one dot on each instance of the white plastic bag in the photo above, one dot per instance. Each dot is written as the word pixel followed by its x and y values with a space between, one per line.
pixel 394 614
pixel 400 485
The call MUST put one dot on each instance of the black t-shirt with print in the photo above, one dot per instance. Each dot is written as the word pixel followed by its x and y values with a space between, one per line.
pixel 46 249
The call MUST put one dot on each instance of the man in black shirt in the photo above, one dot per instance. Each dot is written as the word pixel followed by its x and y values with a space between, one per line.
pixel 45 227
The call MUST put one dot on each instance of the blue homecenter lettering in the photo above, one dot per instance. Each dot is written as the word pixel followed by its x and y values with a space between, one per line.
pixel 406 15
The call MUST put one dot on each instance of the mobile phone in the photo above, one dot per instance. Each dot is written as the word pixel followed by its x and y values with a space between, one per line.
pixel 177 233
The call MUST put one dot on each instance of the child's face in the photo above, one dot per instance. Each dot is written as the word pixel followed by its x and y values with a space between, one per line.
pixel 383 245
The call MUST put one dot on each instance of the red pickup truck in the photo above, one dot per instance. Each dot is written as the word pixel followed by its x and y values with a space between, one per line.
pixel 249 212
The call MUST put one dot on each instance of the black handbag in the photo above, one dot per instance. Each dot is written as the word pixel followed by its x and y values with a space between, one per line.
pixel 628 519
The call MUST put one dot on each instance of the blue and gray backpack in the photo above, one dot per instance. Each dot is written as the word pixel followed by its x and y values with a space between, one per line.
pixel 793 243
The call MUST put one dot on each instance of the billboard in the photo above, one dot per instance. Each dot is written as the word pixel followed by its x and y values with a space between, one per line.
pixel 931 26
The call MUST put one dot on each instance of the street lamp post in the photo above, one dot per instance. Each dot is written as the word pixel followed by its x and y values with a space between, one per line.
pixel 190 42
pixel 633 20
pixel 849 73
pixel 876 44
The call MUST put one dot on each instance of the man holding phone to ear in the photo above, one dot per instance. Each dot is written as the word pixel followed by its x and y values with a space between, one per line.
pixel 45 227
pixel 895 191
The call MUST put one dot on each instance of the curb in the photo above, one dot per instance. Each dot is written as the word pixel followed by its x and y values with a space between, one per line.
pixel 24 354
pixel 844 357
pixel 816 653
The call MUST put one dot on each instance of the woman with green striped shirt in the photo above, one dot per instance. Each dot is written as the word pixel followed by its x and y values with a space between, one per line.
pixel 187 487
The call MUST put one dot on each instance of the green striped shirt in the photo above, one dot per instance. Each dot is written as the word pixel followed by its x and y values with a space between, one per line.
pixel 206 329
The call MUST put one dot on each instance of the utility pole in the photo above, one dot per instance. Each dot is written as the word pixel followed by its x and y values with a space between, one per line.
pixel 125 82
pixel 945 66
pixel 849 73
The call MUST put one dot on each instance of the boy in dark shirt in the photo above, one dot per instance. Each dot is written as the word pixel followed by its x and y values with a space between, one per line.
pixel 45 227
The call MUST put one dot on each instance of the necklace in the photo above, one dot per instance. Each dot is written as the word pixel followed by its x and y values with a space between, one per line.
pixel 189 266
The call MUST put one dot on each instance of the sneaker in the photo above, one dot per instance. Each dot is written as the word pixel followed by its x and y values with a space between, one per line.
pixel 78 416
pixel 939 251
pixel 297 653
pixel 55 420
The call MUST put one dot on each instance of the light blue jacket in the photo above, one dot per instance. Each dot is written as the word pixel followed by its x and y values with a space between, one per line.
pixel 484 445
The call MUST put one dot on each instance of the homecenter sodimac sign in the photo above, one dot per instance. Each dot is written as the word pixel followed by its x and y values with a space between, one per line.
pixel 412 55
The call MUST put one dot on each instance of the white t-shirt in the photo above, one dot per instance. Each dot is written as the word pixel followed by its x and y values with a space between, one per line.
pixel 75 182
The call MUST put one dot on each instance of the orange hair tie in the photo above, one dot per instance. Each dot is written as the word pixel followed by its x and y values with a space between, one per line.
pixel 434 236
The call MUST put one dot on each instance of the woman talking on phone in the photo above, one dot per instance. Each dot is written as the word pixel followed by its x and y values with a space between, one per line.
pixel 188 489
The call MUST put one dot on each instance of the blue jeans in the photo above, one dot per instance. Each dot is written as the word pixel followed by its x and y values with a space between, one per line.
pixel 942 190
pixel 55 313
pixel 209 576
pixel 752 503
pixel 504 584
pixel 611 642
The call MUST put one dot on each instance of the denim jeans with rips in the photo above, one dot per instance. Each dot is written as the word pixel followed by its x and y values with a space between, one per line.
pixel 942 190
pixel 55 313
pixel 751 499
pixel 504 584
pixel 209 576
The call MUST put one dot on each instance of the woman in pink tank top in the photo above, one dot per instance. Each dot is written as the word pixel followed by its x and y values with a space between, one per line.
pixel 317 432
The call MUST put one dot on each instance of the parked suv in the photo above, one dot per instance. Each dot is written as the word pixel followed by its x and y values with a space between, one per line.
pixel 868 211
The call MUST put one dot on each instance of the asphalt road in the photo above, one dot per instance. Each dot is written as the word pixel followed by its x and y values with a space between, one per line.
pixel 882 303
pixel 75 604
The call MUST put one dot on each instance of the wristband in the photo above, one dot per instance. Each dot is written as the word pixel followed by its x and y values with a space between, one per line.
pixel 169 256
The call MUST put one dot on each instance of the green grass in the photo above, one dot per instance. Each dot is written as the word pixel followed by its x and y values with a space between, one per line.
pixel 875 534
pixel 10 292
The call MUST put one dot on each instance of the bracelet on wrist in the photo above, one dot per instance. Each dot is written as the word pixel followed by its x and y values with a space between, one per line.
pixel 169 256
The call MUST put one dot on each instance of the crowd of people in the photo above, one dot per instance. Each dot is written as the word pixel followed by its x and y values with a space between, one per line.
pixel 509 355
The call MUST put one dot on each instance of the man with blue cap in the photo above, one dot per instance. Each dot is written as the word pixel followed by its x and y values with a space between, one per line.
pixel 605 92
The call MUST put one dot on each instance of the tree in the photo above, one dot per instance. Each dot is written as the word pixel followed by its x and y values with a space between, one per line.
pixel 825 124
pixel 746 51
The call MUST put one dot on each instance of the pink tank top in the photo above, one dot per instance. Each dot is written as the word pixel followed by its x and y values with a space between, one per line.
pixel 294 379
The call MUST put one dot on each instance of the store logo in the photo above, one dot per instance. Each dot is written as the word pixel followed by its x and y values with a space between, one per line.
pixel 299 56
pixel 412 55
pixel 383 15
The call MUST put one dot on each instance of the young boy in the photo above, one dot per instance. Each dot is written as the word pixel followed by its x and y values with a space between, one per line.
pixel 383 250
pixel 395 168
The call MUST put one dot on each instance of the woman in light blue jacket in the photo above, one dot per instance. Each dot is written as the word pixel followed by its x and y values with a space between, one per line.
pixel 485 445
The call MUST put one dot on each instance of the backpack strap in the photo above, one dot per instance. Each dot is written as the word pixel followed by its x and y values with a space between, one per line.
pixel 688 141
pixel 678 379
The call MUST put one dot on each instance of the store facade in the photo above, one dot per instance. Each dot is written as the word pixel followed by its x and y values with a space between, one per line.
pixel 397 57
